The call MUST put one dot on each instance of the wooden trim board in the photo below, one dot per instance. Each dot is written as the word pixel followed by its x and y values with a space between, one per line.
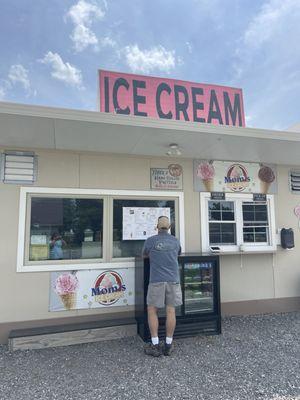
pixel 72 337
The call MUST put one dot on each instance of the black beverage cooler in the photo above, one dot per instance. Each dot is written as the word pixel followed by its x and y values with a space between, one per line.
pixel 200 312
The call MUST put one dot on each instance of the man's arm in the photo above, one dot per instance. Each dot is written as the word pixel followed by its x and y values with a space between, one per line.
pixel 146 249
pixel 179 250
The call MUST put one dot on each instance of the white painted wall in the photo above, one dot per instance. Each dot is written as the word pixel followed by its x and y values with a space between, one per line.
pixel 24 296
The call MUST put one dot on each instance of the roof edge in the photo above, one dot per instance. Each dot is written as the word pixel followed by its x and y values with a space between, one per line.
pixel 129 120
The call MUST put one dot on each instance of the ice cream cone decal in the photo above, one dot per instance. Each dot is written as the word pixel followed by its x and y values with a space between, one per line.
pixel 66 286
pixel 267 177
pixel 69 300
pixel 206 172
pixel 175 169
pixel 208 184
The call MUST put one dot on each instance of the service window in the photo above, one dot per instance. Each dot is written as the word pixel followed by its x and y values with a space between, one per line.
pixel 134 220
pixel 237 223
pixel 222 223
pixel 255 223
pixel 65 228
pixel 75 229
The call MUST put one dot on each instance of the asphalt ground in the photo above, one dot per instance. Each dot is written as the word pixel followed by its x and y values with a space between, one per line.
pixel 256 357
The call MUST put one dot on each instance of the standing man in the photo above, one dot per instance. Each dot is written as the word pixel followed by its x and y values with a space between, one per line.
pixel 164 284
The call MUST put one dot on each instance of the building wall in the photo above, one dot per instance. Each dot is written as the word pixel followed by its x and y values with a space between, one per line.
pixel 246 278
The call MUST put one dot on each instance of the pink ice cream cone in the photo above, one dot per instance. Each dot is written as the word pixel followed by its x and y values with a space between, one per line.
pixel 206 172
pixel 66 286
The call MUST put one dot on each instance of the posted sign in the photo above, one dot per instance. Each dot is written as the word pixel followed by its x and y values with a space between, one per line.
pixel 166 178
pixel 139 223
pixel 226 176
pixel 163 98
pixel 91 289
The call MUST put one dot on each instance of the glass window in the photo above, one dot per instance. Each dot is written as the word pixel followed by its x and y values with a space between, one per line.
pixel 131 248
pixel 238 223
pixel 255 222
pixel 223 231
pixel 65 228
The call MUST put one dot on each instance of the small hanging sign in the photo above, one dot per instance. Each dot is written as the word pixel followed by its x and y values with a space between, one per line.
pixel 259 197
pixel 217 196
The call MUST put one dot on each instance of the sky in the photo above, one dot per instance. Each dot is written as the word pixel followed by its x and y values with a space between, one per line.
pixel 51 50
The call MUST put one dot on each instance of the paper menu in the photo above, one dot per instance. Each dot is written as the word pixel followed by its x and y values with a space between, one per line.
pixel 139 223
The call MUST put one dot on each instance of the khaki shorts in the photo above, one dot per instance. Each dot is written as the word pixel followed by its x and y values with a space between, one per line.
pixel 163 294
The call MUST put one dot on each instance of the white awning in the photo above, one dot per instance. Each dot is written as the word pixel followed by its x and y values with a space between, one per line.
pixel 36 127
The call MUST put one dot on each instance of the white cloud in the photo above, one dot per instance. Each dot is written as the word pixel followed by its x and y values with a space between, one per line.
pixel 248 120
pixel 63 71
pixel 267 62
pixel 107 41
pixel 83 37
pixel 18 74
pixel 83 14
pixel 2 93
pixel 269 20
pixel 145 61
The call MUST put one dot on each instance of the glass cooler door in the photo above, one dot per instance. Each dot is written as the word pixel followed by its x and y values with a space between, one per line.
pixel 198 287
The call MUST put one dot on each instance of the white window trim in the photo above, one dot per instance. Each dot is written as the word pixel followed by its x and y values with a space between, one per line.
pixel 88 264
pixel 247 247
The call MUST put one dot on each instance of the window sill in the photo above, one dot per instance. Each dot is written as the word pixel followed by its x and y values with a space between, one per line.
pixel 74 267
pixel 230 253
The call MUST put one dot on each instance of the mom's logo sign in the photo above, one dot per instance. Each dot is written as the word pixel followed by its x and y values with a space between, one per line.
pixel 109 288
pixel 170 99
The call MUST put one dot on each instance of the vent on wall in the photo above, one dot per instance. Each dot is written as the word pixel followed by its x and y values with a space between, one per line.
pixel 18 167
pixel 295 181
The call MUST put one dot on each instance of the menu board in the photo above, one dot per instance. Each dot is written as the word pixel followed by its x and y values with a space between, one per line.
pixel 139 223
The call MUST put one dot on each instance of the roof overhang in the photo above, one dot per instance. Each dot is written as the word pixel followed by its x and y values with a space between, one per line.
pixel 36 127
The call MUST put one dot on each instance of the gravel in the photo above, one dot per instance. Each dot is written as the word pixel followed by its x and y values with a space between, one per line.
pixel 256 357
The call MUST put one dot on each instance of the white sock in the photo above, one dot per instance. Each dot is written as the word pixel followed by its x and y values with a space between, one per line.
pixel 169 340
pixel 155 340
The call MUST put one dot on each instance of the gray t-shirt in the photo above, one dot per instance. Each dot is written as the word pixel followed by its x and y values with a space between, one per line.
pixel 163 250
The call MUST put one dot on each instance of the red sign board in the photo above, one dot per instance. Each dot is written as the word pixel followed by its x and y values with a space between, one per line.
pixel 164 98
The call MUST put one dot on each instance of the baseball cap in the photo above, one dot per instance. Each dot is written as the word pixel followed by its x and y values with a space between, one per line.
pixel 163 223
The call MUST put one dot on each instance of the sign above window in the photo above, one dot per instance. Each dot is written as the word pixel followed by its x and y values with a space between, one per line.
pixel 234 177
pixel 163 98
pixel 259 197
pixel 166 178
pixel 217 195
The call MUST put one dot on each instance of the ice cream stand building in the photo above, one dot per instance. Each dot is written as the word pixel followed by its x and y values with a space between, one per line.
pixel 80 191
